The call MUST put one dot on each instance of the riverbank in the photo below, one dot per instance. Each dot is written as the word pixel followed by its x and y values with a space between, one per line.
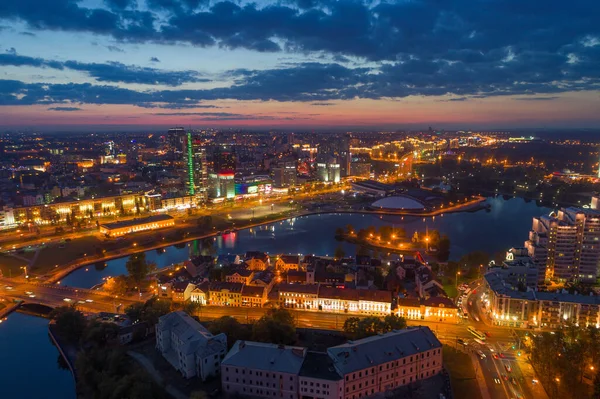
pixel 469 206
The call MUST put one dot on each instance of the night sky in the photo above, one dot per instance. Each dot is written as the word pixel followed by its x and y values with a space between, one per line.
pixel 301 64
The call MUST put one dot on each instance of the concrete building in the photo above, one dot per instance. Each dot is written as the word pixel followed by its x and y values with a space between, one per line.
pixel 329 299
pixel 506 305
pixel 196 167
pixel 116 229
pixel 225 294
pixel 189 347
pixel 328 171
pixel 438 309
pixel 285 175
pixel 318 378
pixel 287 262
pixel 383 362
pixel 566 246
pixel 357 369
pixel 262 370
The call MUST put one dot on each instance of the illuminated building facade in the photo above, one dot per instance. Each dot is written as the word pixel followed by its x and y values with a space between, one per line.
pixel 510 307
pixel 136 225
pixel 566 245
pixel 194 159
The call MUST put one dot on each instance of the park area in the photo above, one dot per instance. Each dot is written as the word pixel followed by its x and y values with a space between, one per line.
pixel 462 373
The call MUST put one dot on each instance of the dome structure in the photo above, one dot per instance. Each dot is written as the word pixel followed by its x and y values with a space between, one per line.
pixel 397 202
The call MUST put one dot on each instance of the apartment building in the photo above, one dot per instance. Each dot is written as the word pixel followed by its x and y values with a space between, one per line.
pixel 188 346
pixel 384 362
pixel 262 370
pixel 566 246
pixel 356 369
pixel 507 305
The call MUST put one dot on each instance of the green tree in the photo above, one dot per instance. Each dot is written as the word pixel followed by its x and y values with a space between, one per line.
pixel 339 252
pixel 70 323
pixel 232 328
pixel 276 326
pixel 116 285
pixel 149 311
pixel 192 308
pixel 394 322
pixel 443 248
pixel 138 268
pixel 100 334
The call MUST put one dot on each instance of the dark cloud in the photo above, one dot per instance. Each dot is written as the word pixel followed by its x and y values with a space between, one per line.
pixel 175 106
pixel 117 72
pixel 154 59
pixel 537 98
pixel 323 104
pixel 115 49
pixel 428 47
pixel 110 71
pixel 64 109
pixel 27 34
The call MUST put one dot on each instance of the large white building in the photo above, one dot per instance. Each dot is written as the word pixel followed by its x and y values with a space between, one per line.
pixel 357 369
pixel 566 246
pixel 190 347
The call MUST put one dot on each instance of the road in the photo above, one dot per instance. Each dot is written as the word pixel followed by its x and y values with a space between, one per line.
pixel 55 295
pixel 506 374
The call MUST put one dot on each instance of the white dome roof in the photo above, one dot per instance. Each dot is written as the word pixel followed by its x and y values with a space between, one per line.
pixel 398 202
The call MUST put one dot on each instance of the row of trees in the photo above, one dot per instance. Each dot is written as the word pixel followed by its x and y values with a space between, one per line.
pixel 563 359
pixel 357 328
pixel 104 370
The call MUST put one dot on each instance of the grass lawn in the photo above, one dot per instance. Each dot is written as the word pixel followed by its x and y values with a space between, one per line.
pixel 462 374
pixel 53 255
pixel 10 265
pixel 450 287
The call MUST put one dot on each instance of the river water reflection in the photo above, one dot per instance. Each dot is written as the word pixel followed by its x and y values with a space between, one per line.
pixel 507 224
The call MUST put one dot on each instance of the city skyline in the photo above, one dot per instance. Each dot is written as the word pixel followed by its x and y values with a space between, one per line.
pixel 299 64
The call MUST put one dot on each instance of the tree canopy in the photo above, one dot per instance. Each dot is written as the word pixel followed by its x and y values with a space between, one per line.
pixel 357 328
pixel 276 326
pixel 138 268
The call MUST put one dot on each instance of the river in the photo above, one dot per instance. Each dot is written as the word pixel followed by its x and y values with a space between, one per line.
pixel 25 344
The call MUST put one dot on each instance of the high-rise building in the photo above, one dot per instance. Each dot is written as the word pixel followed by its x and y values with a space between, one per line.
pixel 566 245
pixel 284 175
pixel 196 173
pixel 224 160
pixel 329 171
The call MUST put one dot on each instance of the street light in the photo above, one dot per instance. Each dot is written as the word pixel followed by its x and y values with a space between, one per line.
pixel 456 279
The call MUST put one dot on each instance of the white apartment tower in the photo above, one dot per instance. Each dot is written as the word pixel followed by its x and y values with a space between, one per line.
pixel 566 245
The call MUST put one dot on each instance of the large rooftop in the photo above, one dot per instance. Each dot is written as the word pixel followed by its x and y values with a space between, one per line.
pixel 379 349
pixel 136 222
pixel 397 202
pixel 267 357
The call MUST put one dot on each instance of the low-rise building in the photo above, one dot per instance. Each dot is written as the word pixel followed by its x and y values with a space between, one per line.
pixel 331 299
pixel 253 296
pixel 257 260
pixel 510 306
pixel 225 294
pixel 189 347
pixel 123 227
pixel 318 378
pixel 387 361
pixel 287 262
pixel 357 369
pixel 262 370
pixel 438 309
pixel 243 276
